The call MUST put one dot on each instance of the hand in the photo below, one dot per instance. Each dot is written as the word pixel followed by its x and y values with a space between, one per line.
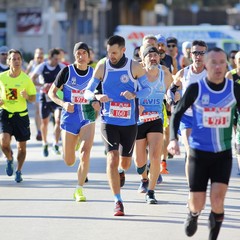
pixel 46 87
pixel 24 94
pixel 128 95
pixel 69 107
pixel 96 106
pixel 177 96
pixel 103 98
pixel 141 109
pixel 173 147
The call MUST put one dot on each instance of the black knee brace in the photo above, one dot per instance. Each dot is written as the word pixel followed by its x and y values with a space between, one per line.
pixel 141 169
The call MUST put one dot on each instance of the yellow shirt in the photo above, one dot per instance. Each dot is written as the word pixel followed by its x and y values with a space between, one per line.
pixel 10 89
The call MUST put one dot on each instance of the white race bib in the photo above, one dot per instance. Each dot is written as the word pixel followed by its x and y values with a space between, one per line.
pixel 77 97
pixel 149 116
pixel 120 110
pixel 217 117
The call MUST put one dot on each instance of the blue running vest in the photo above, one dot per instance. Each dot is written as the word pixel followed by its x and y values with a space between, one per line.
pixel 212 118
pixel 119 111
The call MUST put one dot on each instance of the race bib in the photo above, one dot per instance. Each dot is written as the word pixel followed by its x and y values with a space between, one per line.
pixel 77 97
pixel 217 117
pixel 149 116
pixel 120 110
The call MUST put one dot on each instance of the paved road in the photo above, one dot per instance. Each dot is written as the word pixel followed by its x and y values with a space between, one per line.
pixel 42 207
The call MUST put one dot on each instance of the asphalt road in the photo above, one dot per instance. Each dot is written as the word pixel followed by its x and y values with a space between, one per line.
pixel 42 206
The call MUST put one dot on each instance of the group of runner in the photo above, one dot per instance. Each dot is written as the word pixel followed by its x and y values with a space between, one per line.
pixel 135 100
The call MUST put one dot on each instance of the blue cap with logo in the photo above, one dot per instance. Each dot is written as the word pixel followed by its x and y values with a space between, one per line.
pixel 3 49
pixel 161 39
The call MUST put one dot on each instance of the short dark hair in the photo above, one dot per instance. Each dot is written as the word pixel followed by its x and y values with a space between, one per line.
pixel 199 43
pixel 216 49
pixel 116 39
pixel 15 51
pixel 231 52
pixel 52 52
pixel 172 40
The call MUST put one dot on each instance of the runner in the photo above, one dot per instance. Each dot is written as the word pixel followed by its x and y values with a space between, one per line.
pixel 78 116
pixel 120 77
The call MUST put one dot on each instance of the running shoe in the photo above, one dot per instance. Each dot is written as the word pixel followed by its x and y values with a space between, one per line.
pixel 164 167
pixel 39 136
pixel 45 150
pixel 190 225
pixel 122 178
pixel 9 168
pixel 18 177
pixel 78 195
pixel 56 150
pixel 160 179
pixel 150 197
pixel 119 209
pixel 143 186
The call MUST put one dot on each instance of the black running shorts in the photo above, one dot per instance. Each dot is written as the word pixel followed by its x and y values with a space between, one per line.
pixel 205 166
pixel 120 138
pixel 149 127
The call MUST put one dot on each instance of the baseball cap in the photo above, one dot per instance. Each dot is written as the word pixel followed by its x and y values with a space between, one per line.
pixel 161 39
pixel 186 45
pixel 172 40
pixel 3 49
pixel 81 45
pixel 150 49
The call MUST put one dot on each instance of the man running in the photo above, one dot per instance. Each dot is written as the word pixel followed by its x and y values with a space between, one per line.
pixel 120 78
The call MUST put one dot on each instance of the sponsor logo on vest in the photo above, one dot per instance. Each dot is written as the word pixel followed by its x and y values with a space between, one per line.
pixel 124 78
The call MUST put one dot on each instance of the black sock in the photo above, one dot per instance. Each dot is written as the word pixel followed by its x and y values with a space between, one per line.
pixel 214 224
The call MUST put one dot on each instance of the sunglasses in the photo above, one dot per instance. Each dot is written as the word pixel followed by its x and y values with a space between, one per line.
pixel 4 54
pixel 171 46
pixel 232 57
pixel 198 53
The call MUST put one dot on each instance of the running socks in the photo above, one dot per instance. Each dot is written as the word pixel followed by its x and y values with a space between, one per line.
pixel 214 224
pixel 117 197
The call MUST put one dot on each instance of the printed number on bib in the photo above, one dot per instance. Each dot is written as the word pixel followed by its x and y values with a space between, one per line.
pixel 149 116
pixel 216 117
pixel 120 110
pixel 77 97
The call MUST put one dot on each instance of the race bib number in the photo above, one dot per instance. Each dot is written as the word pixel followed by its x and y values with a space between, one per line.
pixel 77 97
pixel 149 116
pixel 120 110
pixel 216 117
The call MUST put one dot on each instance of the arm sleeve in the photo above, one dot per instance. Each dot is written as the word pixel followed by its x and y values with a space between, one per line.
pixel 145 90
pixel 186 101
pixel 91 87
pixel 61 77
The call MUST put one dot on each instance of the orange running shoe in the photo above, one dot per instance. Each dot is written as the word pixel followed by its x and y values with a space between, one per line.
pixel 164 167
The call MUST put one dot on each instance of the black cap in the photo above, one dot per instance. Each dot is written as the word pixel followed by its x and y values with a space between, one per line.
pixel 172 40
pixel 150 49
pixel 80 45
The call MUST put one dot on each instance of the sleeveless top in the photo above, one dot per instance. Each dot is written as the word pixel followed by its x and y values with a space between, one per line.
pixel 48 77
pixel 119 111
pixel 153 108
pixel 212 118
pixel 190 77
pixel 73 91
